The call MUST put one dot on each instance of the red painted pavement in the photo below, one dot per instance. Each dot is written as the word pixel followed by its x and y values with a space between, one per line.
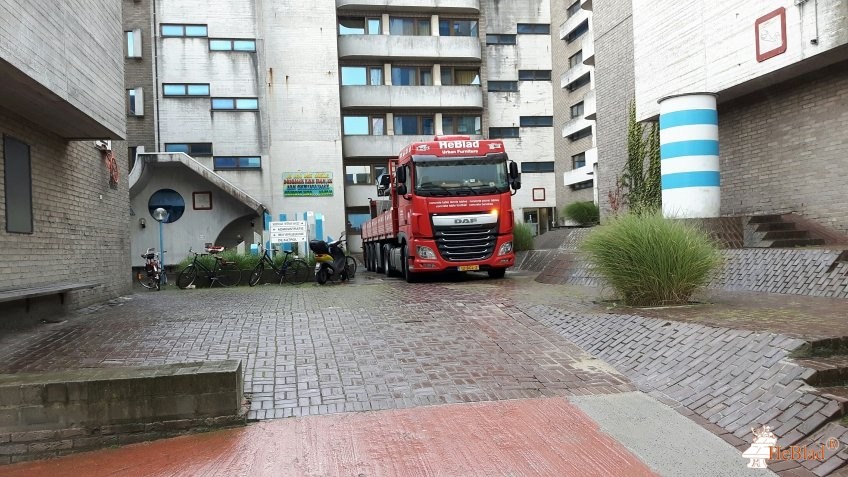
pixel 544 437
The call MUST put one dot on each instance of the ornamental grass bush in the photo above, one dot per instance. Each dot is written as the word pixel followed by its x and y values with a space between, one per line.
pixel 522 237
pixel 650 260
pixel 584 213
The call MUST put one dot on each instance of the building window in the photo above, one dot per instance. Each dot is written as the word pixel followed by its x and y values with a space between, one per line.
pixel 356 216
pixel 579 82
pixel 575 59
pixel 585 132
pixel 170 200
pixel 131 153
pixel 462 125
pixel 578 31
pixel 500 39
pixel 133 43
pixel 502 133
pixel 537 167
pixel 581 185
pixel 135 102
pixel 501 86
pixel 364 125
pixel 18 186
pixel 235 104
pixel 359 26
pixel 362 75
pixel 363 174
pixel 236 162
pixel 232 45
pixel 578 160
pixel 192 148
pixel 534 75
pixel 175 30
pixel 534 29
pixel 409 125
pixel 577 110
pixel 412 76
pixel 409 26
pixel 171 90
pixel 573 9
pixel 458 27
pixel 536 121
pixel 460 76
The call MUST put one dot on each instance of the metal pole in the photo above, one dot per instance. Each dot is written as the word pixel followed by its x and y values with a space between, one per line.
pixel 161 257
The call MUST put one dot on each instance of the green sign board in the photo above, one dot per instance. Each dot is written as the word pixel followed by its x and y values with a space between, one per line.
pixel 307 184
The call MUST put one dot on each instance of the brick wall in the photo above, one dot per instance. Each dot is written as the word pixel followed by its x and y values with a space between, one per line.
pixel 80 223
pixel 783 149
pixel 138 72
pixel 614 88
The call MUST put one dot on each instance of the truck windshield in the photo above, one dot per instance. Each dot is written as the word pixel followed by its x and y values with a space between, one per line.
pixel 460 176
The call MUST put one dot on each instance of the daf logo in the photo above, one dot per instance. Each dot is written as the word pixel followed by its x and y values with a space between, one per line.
pixel 464 221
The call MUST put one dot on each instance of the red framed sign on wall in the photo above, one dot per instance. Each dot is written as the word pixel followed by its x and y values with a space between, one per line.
pixel 770 31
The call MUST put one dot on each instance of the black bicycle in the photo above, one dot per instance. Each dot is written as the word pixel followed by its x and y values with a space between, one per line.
pixel 292 270
pixel 224 273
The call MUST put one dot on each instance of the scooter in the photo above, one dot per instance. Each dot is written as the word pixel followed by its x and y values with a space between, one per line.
pixel 330 260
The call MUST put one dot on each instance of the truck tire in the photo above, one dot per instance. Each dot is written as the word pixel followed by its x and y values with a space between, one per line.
pixel 410 277
pixel 497 272
pixel 387 264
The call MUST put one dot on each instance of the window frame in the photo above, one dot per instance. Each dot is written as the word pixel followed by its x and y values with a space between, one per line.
pixel 232 42
pixel 187 89
pixel 497 132
pixel 11 184
pixel 238 166
pixel 132 39
pixel 571 59
pixel 579 157
pixel 369 69
pixel 578 31
pixel 536 121
pixel 572 9
pixel 417 23
pixel 370 119
pixel 135 102
pixel 357 211
pixel 579 82
pixel 494 39
pixel 235 101
pixel 582 185
pixel 534 75
pixel 190 146
pixel 184 27
pixel 538 167
pixel 533 28
pixel 419 74
pixel 452 21
pixel 453 71
pixel 581 134
pixel 454 117
pixel 579 107
pixel 420 127
pixel 512 89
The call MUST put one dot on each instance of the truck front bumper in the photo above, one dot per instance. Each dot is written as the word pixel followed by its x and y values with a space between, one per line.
pixel 418 264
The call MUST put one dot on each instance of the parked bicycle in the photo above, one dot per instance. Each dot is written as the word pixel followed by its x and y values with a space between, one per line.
pixel 151 277
pixel 292 270
pixel 224 273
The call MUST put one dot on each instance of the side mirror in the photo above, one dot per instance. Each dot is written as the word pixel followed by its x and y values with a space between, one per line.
pixel 514 176
pixel 401 189
pixel 383 182
pixel 400 174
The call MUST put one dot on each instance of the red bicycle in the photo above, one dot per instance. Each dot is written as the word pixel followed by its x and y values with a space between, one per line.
pixel 150 278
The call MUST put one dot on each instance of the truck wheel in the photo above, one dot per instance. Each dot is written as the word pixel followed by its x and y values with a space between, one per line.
pixel 410 277
pixel 497 272
pixel 387 267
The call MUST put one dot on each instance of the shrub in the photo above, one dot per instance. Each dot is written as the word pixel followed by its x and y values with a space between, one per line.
pixel 244 262
pixel 584 213
pixel 522 236
pixel 650 260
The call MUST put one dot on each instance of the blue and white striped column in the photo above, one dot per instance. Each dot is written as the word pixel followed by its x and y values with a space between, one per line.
pixel 689 156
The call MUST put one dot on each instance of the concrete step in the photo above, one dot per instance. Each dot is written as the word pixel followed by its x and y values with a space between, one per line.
pixel 786 234
pixel 773 226
pixel 790 243
pixel 761 219
pixel 829 371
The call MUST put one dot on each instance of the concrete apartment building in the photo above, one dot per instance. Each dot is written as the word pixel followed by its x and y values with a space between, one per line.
pixel 574 102
pixel 248 96
pixel 64 218
pixel 779 73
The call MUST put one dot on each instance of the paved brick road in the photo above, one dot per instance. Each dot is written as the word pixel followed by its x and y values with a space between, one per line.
pixel 372 344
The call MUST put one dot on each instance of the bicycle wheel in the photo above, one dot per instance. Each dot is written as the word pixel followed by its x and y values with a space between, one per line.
pixel 298 271
pixel 350 265
pixel 227 275
pixel 187 277
pixel 146 280
pixel 256 275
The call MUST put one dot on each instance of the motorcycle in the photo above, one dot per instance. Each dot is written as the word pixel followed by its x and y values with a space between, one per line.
pixel 330 260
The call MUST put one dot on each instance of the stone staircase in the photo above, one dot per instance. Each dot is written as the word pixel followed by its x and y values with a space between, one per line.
pixel 772 231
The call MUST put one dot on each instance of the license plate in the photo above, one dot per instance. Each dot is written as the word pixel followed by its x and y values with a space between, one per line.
pixel 468 268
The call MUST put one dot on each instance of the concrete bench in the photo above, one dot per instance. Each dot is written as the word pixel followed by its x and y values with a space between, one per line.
pixel 44 290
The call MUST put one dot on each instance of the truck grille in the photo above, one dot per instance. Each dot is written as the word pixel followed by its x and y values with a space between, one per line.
pixel 466 242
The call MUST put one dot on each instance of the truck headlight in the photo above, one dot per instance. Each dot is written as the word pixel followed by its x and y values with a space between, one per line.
pixel 425 252
pixel 505 248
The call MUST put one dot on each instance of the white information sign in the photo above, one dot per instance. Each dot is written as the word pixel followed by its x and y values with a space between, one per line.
pixel 291 231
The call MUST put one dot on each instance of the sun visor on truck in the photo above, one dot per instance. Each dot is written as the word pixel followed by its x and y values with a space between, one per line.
pixel 499 156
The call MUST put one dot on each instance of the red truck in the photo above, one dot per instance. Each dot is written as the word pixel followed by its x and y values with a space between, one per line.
pixel 443 205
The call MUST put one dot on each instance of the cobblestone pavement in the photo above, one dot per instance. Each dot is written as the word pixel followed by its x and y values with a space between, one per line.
pixel 372 344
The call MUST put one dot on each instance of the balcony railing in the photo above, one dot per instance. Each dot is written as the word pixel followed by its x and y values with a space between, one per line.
pixel 448 6
pixel 452 48
pixel 572 22
pixel 577 124
pixel 573 73
pixel 442 97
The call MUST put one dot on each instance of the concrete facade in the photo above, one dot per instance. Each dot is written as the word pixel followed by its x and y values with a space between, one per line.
pixel 64 82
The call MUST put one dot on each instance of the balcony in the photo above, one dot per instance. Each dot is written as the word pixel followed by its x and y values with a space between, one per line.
pixel 585 173
pixel 572 22
pixel 424 6
pixel 588 47
pixel 411 97
pixel 380 146
pixel 573 74
pixel 590 106
pixel 449 48
pixel 576 124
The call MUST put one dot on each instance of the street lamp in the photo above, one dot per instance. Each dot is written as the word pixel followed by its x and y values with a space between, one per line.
pixel 161 215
